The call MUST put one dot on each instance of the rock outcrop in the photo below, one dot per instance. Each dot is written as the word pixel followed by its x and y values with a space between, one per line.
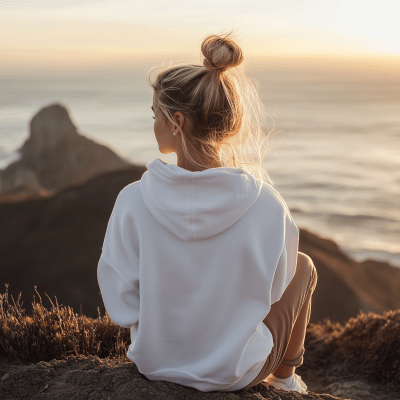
pixel 91 377
pixel 80 377
pixel 55 156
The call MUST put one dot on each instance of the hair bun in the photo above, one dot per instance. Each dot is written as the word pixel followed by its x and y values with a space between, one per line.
pixel 221 53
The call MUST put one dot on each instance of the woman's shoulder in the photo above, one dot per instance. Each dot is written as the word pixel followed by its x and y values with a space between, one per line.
pixel 128 194
pixel 270 194
pixel 281 203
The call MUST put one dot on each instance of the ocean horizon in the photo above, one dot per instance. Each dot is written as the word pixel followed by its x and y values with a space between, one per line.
pixel 334 153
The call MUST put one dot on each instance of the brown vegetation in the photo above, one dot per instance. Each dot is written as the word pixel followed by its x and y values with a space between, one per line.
pixel 365 349
pixel 56 333
pixel 367 345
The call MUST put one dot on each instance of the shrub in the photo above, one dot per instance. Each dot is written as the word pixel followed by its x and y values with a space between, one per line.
pixel 57 332
pixel 368 345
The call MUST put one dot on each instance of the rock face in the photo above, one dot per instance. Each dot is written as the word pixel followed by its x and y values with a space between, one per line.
pixel 56 156
pixel 93 378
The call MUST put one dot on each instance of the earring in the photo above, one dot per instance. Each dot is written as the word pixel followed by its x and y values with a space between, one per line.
pixel 174 133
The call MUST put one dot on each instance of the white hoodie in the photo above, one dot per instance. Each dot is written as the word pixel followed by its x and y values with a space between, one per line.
pixel 192 262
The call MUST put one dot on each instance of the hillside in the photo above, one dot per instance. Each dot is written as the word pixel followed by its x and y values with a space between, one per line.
pixel 55 243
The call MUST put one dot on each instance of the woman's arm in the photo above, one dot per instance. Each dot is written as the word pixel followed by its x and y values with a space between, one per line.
pixel 118 267
pixel 121 299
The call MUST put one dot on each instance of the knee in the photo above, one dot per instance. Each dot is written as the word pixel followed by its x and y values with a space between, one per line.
pixel 305 262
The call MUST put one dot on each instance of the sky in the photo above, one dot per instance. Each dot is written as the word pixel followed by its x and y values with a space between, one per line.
pixel 73 34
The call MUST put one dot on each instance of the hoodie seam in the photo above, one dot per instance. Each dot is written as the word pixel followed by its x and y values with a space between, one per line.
pixel 280 197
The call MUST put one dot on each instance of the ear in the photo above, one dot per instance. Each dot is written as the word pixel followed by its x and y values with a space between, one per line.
pixel 180 119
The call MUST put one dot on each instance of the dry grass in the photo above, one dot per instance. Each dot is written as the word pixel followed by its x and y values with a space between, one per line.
pixel 56 333
pixel 368 344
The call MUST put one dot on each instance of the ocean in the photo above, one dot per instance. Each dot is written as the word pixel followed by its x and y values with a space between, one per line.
pixel 335 156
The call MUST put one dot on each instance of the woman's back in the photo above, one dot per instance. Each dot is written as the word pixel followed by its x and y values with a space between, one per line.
pixel 210 251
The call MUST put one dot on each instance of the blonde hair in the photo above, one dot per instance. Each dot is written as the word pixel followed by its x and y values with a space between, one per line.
pixel 221 104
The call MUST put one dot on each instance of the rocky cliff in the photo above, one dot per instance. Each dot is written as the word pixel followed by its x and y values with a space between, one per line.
pixel 55 156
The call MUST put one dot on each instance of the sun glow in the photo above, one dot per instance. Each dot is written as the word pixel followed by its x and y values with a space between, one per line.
pixel 74 34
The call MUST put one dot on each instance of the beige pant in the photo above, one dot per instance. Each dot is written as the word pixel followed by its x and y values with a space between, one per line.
pixel 283 314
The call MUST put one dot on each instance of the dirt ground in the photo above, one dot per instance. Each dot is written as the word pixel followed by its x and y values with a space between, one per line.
pixel 79 377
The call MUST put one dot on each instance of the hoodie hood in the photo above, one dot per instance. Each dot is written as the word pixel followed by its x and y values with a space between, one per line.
pixel 197 205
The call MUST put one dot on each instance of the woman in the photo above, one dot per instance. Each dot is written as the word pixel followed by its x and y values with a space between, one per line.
pixel 200 259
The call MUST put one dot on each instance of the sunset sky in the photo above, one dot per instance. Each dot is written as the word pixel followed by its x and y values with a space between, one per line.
pixel 68 34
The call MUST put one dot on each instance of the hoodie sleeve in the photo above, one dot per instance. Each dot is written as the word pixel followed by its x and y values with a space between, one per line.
pixel 286 267
pixel 118 267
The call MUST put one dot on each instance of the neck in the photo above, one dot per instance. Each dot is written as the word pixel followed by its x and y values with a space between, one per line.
pixel 203 159
pixel 208 163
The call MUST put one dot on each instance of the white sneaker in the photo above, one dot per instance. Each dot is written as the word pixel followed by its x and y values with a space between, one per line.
pixel 298 385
